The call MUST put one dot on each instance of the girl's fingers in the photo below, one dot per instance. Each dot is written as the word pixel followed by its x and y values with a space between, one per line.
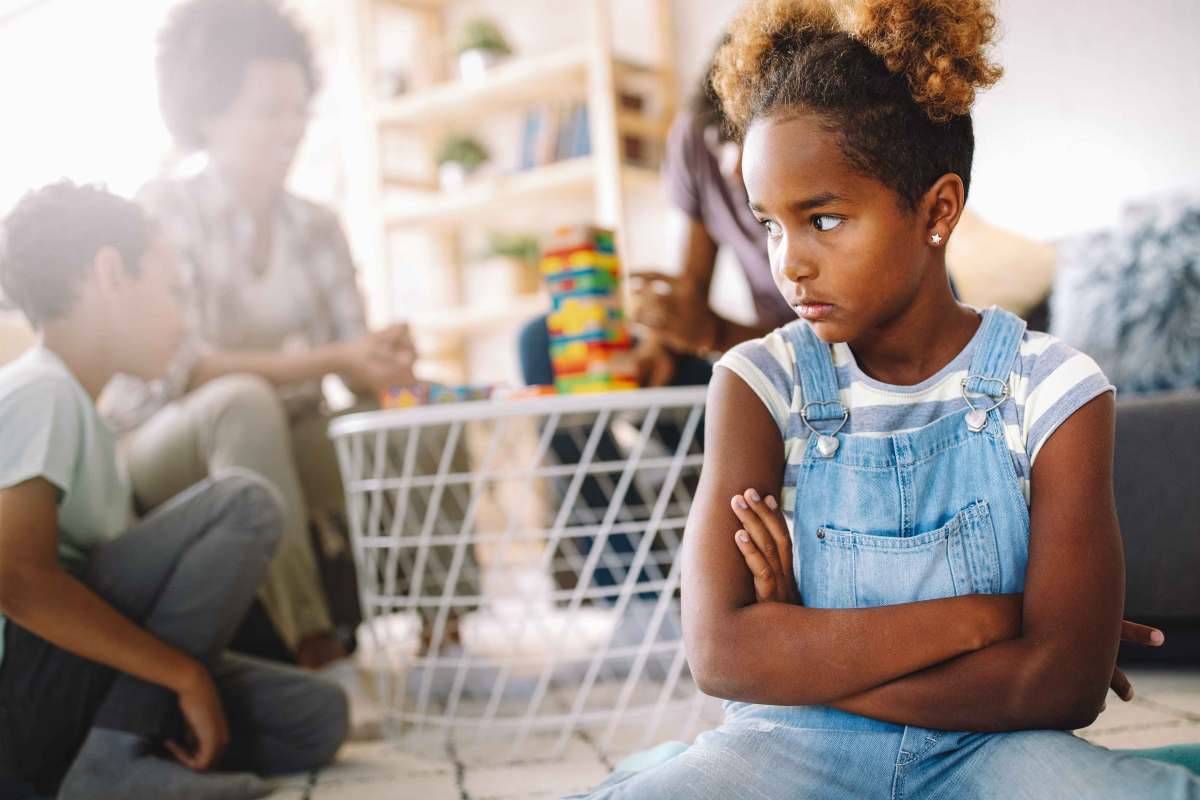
pixel 753 525
pixel 764 576
pixel 1140 634
pixel 767 511
pixel 1121 685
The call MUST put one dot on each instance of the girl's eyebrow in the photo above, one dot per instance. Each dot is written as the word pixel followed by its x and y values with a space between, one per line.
pixel 800 206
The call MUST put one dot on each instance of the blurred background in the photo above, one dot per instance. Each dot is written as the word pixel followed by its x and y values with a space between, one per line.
pixel 1097 112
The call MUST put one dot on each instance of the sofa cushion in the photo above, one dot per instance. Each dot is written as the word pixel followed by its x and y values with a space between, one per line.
pixel 1129 296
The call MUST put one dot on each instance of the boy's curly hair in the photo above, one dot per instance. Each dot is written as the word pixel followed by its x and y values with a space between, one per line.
pixel 895 79
pixel 50 238
pixel 205 49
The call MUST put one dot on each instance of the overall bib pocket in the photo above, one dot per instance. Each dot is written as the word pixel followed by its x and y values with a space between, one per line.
pixel 861 571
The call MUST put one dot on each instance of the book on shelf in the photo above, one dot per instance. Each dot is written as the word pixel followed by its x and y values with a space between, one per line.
pixel 554 133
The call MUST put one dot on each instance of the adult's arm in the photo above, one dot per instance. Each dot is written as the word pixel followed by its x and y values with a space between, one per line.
pixel 280 368
pixel 675 306
pixel 697 265
pixel 782 654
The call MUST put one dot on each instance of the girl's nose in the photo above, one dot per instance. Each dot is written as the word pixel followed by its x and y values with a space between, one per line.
pixel 797 264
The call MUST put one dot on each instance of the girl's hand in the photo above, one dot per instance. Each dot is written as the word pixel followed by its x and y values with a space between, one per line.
pixel 1135 634
pixel 767 548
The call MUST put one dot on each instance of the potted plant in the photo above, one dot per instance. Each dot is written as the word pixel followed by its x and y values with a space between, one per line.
pixel 457 158
pixel 507 267
pixel 481 45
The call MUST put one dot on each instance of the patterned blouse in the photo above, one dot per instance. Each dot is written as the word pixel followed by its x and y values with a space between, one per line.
pixel 305 295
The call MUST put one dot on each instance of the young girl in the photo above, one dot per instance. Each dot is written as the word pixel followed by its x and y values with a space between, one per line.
pixel 934 600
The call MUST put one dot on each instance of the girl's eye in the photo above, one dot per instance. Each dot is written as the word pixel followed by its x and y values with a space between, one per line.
pixel 773 229
pixel 826 222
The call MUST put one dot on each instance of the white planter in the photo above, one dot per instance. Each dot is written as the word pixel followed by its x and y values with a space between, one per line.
pixel 452 175
pixel 497 279
pixel 473 65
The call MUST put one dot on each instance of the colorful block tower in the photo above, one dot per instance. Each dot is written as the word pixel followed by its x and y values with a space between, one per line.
pixel 589 341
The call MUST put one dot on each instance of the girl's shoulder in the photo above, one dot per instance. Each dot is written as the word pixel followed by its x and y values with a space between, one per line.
pixel 768 366
pixel 1046 364
pixel 1051 381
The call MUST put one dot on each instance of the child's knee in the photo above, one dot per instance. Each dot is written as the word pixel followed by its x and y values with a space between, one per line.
pixel 253 502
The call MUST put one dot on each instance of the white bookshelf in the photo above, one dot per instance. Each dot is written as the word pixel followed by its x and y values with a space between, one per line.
pixel 589 189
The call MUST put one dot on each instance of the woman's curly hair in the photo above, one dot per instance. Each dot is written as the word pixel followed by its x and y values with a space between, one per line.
pixel 895 79
pixel 205 49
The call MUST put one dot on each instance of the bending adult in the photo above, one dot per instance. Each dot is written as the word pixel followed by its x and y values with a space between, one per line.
pixel 678 330
pixel 703 175
pixel 271 295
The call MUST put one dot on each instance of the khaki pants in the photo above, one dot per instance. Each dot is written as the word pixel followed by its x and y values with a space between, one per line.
pixel 239 421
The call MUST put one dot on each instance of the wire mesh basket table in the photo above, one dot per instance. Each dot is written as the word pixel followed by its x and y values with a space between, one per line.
pixel 518 570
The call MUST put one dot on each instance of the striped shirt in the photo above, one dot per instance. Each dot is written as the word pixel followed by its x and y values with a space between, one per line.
pixel 1049 381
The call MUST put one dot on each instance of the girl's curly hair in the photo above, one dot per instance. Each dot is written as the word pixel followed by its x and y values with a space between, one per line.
pixel 895 79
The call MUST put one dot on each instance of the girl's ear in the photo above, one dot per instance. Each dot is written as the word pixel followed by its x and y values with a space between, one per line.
pixel 941 208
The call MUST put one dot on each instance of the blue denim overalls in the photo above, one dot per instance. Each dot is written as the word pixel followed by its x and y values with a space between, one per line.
pixel 881 520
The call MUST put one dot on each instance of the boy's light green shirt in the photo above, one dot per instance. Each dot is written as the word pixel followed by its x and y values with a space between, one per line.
pixel 49 428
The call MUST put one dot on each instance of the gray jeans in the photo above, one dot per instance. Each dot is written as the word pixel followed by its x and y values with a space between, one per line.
pixel 186 574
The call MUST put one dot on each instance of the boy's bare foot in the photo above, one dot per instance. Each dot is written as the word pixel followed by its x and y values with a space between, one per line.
pixel 113 765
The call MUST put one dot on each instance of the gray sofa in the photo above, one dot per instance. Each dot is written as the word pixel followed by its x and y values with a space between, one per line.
pixel 1157 486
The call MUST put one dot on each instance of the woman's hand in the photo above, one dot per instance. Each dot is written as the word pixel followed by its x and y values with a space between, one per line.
pixel 200 704
pixel 379 360
pixel 669 308
pixel 767 548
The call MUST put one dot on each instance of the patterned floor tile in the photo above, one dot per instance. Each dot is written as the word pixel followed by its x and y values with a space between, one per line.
pixel 1185 705
pixel 562 777
pixel 540 748
pixel 1180 732
pixel 1119 715
pixel 1157 680
pixel 1166 711
pixel 373 762
pixel 425 787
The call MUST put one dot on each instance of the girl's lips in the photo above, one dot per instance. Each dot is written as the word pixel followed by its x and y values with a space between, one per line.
pixel 814 311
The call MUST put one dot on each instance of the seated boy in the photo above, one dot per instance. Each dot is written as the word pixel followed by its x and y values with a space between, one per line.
pixel 114 682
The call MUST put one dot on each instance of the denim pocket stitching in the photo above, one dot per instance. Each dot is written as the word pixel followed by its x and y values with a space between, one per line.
pixel 978 552
pixel 843 537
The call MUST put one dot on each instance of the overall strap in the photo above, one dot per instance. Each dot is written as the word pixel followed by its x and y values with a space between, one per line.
pixel 992 362
pixel 818 379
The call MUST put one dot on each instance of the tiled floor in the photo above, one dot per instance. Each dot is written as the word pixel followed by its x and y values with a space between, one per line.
pixel 1166 711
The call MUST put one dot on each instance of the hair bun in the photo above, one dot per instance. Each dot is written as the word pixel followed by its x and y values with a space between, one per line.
pixel 938 45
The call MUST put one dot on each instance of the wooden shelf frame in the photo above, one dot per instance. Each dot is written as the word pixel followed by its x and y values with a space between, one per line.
pixel 587 71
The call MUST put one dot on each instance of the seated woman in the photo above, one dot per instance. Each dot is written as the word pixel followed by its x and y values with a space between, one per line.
pixel 271 297
pixel 923 491
pixel 115 680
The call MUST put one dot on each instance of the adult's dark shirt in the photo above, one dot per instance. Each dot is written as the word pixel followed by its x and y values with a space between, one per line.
pixel 698 188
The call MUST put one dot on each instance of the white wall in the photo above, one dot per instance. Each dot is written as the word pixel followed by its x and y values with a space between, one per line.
pixel 1100 103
